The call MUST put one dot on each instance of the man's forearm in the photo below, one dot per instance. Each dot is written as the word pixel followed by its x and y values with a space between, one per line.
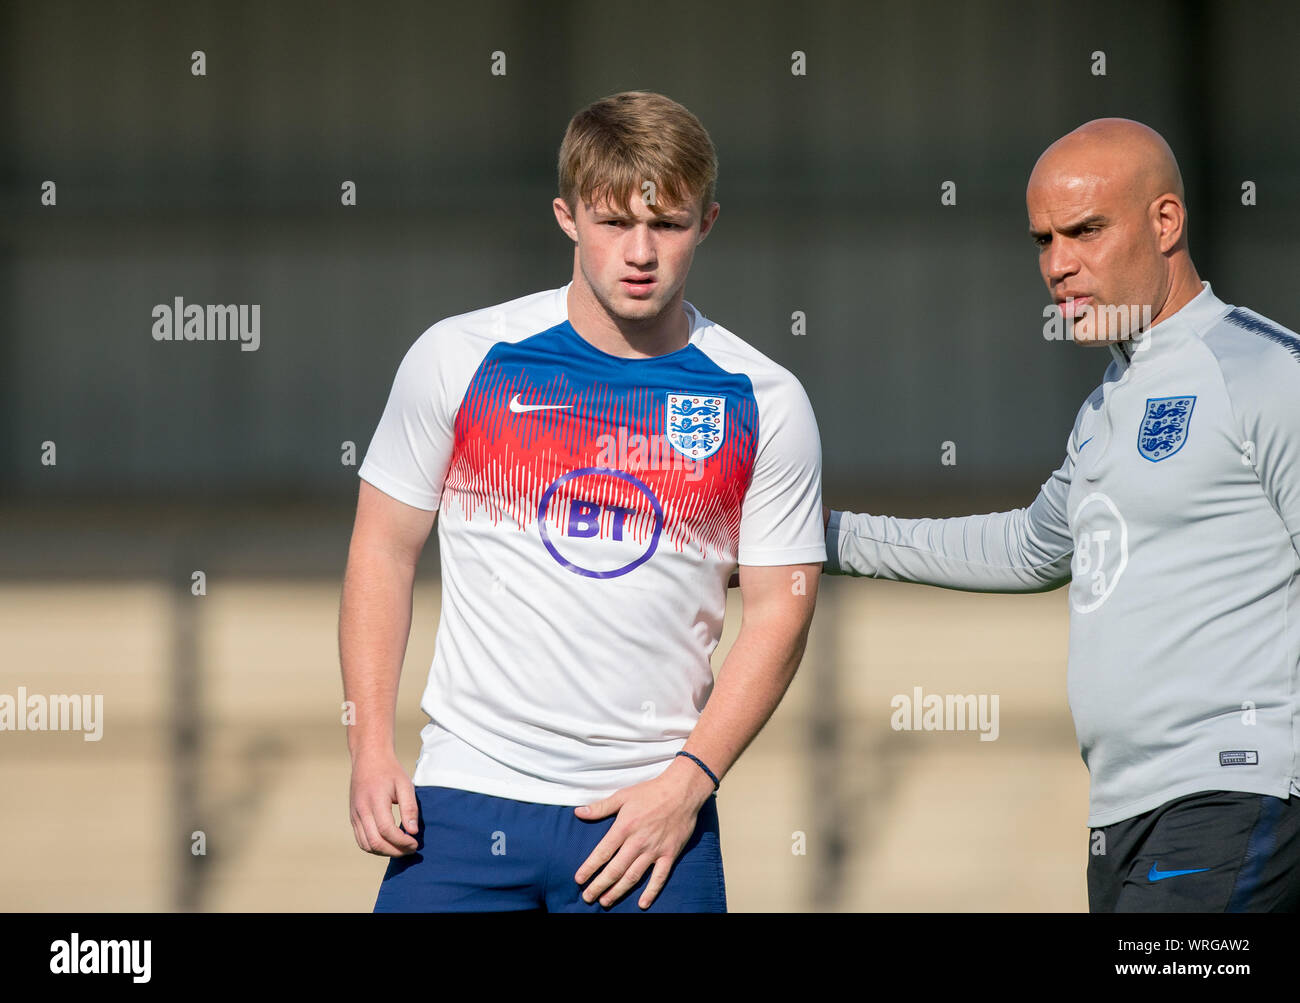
pixel 753 679
pixel 374 626
pixel 999 552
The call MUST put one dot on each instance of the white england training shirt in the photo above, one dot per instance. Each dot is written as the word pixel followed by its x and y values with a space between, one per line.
pixel 591 509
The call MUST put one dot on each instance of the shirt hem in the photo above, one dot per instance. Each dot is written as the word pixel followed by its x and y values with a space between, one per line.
pixel 776 558
pixel 1280 788
pixel 525 792
pixel 395 489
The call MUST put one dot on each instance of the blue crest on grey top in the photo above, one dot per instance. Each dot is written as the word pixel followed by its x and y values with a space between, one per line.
pixel 1163 431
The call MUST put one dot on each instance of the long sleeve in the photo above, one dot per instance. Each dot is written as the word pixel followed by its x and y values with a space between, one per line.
pixel 1262 376
pixel 1024 550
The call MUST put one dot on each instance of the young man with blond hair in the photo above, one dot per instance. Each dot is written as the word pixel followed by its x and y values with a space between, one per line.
pixel 604 457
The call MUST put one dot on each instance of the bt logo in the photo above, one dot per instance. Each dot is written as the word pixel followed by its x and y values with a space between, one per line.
pixel 581 549
pixel 1100 552
pixel 584 518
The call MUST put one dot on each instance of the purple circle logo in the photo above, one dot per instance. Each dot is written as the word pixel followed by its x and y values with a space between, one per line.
pixel 585 516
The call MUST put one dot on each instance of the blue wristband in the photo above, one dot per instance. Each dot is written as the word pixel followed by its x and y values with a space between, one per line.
pixel 700 763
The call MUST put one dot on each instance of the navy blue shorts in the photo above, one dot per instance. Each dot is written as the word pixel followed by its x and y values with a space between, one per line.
pixel 479 853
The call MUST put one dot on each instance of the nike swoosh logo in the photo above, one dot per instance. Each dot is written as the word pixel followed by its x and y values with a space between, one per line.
pixel 518 408
pixel 1155 874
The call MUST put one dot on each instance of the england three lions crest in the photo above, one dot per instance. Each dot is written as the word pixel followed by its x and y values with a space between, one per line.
pixel 1164 426
pixel 695 424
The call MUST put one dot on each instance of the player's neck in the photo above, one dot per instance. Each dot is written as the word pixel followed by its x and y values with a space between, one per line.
pixel 666 332
pixel 1185 288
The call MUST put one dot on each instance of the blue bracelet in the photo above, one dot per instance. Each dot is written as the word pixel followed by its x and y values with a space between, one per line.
pixel 700 763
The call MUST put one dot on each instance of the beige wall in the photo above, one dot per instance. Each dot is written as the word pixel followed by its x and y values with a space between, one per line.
pixel 927 820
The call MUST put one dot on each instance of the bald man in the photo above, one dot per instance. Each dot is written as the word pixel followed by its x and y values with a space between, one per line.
pixel 1175 518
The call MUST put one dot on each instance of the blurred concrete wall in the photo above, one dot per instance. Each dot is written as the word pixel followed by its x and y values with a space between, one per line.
pixel 830 809
pixel 924 320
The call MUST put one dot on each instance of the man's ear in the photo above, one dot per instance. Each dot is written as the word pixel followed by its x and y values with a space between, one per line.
pixel 707 220
pixel 1170 218
pixel 565 218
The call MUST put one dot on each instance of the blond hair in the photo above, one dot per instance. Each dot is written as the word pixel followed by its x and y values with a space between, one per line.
pixel 617 144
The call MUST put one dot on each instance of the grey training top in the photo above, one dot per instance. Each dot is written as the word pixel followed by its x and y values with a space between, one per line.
pixel 1176 519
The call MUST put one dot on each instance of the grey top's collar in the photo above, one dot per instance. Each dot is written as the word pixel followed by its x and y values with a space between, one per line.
pixel 1193 320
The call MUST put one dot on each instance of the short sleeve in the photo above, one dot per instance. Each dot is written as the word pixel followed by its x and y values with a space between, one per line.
pixel 781 518
pixel 411 448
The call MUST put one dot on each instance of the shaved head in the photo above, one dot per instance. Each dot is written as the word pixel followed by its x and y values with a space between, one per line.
pixel 1132 157
pixel 1106 209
